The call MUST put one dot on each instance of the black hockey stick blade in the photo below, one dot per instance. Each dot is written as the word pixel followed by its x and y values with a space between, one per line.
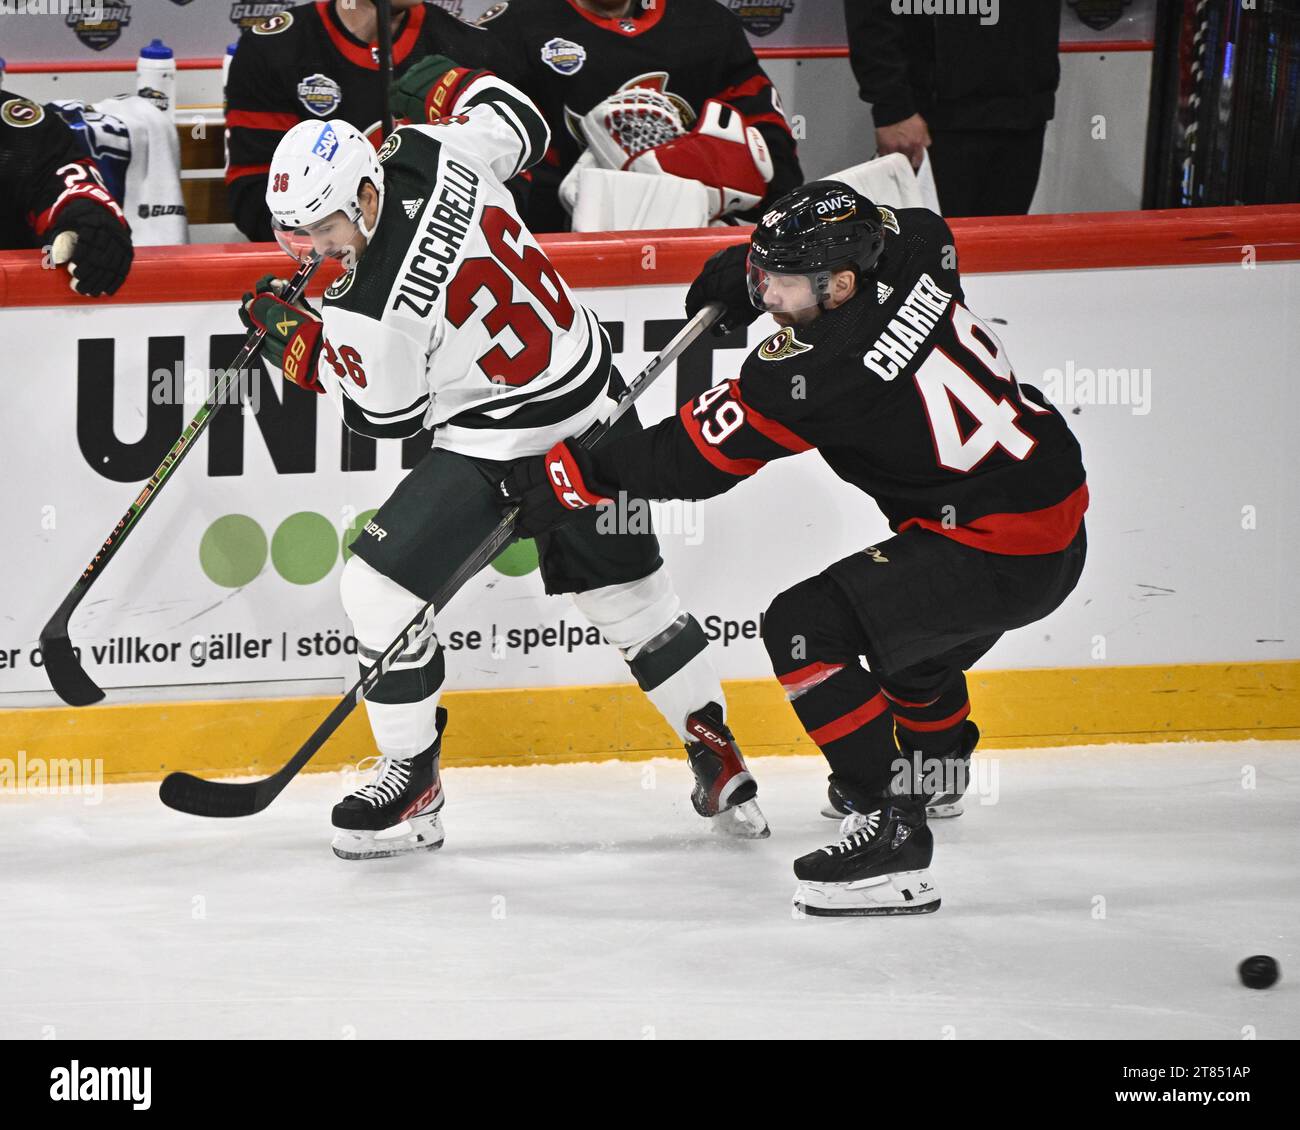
pixel 62 666
pixel 187 793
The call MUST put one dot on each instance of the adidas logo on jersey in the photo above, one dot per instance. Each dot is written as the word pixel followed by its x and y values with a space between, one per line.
pixel 413 207
pixel 883 292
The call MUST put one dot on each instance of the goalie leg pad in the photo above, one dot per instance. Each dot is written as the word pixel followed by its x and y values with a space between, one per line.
pixel 403 705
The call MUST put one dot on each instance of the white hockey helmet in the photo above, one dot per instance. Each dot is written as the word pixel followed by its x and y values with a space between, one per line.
pixel 317 172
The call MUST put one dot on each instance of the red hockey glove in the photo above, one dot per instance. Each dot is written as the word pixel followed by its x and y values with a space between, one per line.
pixel 293 332
pixel 552 489
pixel 729 158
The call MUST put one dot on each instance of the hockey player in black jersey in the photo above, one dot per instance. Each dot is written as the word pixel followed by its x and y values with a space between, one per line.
pixel 906 394
pixel 311 62
pixel 704 86
pixel 51 195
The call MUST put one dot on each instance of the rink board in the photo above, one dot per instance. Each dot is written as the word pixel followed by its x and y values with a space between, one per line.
pixel 1168 339
pixel 552 725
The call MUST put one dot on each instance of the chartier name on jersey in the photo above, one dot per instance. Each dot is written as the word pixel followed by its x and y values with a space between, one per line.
pixel 914 321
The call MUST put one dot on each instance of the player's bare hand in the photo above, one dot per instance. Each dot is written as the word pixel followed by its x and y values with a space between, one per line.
pixel 910 137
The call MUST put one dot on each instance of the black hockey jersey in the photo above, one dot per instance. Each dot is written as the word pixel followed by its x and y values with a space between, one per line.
pixel 304 64
pixel 905 394
pixel 567 59
pixel 36 149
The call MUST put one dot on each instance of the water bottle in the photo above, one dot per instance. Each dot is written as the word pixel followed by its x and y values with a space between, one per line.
pixel 155 75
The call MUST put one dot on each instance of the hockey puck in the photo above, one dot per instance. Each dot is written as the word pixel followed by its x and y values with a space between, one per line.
pixel 1258 972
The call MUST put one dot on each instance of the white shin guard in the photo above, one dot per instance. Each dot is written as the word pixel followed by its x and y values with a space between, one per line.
pixel 665 647
pixel 403 707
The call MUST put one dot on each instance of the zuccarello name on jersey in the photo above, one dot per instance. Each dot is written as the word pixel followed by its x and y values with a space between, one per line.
pixel 445 231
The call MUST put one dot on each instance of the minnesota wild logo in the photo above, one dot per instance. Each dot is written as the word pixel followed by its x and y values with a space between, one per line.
pixel 781 345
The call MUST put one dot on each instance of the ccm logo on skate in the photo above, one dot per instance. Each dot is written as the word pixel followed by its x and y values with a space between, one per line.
pixel 422 801
pixel 707 736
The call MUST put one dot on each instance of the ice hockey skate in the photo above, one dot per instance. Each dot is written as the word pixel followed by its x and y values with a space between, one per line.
pixel 945 803
pixel 880 865
pixel 725 791
pixel 400 811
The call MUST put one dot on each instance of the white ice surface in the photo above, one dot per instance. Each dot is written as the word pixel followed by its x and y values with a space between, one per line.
pixel 577 901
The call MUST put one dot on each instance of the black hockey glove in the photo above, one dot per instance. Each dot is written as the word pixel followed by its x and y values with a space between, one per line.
pixel 552 489
pixel 723 279
pixel 101 251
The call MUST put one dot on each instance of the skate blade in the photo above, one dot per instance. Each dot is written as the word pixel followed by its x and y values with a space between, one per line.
pixel 420 833
pixel 745 821
pixel 946 810
pixel 906 892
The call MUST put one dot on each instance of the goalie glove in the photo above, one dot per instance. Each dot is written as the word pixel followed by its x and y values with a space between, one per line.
pixel 293 331
pixel 728 157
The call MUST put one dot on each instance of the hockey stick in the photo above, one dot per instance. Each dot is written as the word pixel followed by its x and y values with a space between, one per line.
pixel 188 793
pixel 384 14
pixel 62 664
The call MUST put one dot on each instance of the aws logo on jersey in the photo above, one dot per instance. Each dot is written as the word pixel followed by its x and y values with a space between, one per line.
pixel 98 25
pixel 563 56
pixel 320 94
pixel 20 113
pixel 782 345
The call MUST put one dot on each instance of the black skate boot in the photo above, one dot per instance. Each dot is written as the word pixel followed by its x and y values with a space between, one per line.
pixel 724 787
pixel 950 780
pixel 398 812
pixel 879 866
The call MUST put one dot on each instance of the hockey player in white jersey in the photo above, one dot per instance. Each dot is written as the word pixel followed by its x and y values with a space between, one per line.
pixel 449 316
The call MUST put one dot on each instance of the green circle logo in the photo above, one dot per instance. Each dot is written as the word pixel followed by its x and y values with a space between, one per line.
pixel 517 559
pixel 304 547
pixel 359 523
pixel 233 551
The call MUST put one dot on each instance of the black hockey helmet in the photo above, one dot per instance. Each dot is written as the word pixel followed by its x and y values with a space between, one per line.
pixel 818 228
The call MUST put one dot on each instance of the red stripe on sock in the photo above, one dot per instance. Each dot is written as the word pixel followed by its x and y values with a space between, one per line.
pixel 869 711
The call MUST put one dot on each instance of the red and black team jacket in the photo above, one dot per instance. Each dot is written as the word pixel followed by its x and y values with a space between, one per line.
pixel 304 64
pixel 42 169
pixel 904 393
pixel 567 59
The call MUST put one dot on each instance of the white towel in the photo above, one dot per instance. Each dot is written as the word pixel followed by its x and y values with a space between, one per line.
pixel 154 206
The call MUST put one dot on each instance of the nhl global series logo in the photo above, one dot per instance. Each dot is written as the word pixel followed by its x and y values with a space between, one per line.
pixel 761 17
pixel 99 26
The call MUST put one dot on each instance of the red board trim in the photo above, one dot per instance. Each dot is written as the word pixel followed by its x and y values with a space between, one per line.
pixel 1092 241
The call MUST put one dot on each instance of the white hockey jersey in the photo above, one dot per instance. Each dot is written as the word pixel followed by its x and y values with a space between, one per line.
pixel 453 318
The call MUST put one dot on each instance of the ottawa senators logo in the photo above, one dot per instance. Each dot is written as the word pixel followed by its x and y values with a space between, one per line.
pixel 20 113
pixel 261 19
pixel 781 346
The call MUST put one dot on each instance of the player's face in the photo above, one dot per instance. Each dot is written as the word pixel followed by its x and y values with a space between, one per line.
pixel 791 299
pixel 334 237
